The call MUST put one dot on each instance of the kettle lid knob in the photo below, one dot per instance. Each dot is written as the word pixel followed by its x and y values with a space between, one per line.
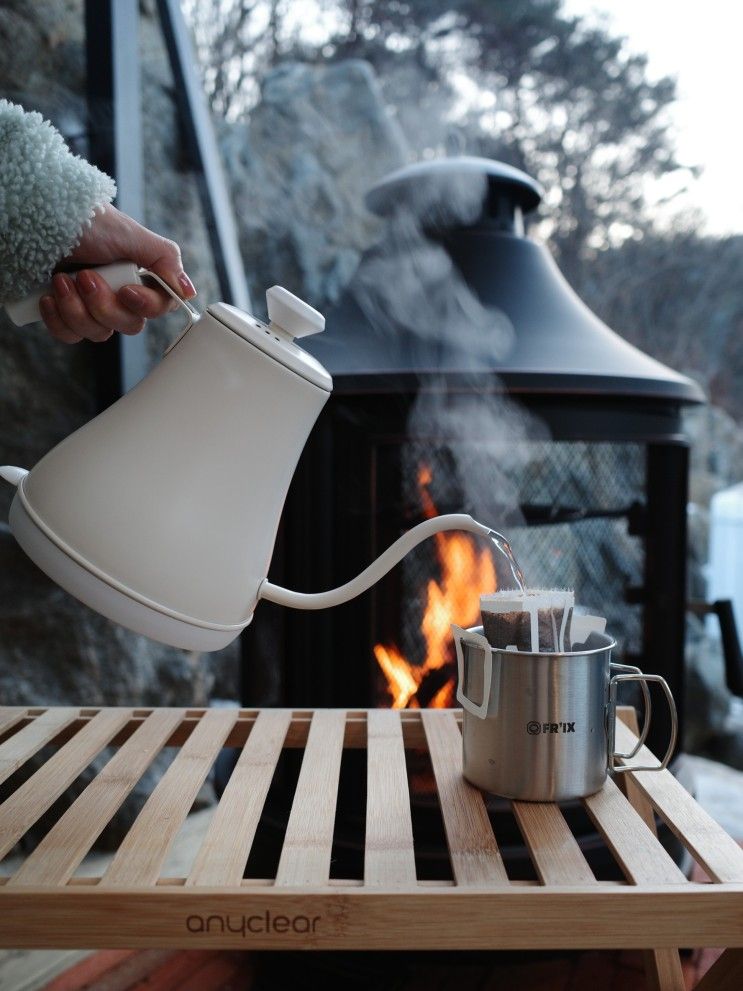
pixel 292 315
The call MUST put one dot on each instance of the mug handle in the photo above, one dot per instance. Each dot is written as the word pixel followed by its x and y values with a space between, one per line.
pixel 479 641
pixel 639 676
pixel 631 669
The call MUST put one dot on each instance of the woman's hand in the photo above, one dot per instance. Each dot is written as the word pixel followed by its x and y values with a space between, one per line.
pixel 85 307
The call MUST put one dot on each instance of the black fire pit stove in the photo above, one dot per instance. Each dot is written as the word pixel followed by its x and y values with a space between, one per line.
pixel 601 496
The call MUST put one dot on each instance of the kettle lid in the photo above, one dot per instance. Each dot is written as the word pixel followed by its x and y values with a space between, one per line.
pixel 289 318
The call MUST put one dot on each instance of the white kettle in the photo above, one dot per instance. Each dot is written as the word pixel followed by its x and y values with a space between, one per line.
pixel 161 513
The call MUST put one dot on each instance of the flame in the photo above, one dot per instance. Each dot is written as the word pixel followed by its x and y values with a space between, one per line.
pixel 466 572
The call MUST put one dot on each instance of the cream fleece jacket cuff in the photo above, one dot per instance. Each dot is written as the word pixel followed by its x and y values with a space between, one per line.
pixel 47 197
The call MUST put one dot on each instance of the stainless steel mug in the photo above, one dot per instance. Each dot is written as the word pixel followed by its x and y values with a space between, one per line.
pixel 540 727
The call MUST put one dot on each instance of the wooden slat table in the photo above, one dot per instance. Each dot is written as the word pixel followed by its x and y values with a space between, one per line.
pixel 45 903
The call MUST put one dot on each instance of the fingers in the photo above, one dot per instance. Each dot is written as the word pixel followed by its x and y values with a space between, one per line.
pixel 72 313
pixel 86 308
pixel 57 327
pixel 103 306
pixel 145 302
pixel 113 236
pixel 163 257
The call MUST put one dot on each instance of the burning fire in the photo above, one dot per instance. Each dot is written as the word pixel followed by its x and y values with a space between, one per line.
pixel 466 572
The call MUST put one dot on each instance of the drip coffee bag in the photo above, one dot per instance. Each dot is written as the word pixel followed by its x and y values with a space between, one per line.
pixel 536 620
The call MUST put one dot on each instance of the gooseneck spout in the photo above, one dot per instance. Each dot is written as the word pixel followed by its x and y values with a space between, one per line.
pixel 13 475
pixel 377 569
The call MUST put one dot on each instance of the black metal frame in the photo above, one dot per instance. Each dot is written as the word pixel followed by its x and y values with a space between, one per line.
pixel 732 651
pixel 664 585
pixel 115 145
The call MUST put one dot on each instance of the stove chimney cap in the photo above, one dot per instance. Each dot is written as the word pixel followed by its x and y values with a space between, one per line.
pixel 560 348
pixel 424 182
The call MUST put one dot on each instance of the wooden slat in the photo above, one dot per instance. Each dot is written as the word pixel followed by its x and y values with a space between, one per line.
pixel 142 852
pixel 628 715
pixel 19 812
pixel 54 860
pixel 663 970
pixel 389 859
pixel 305 856
pixel 9 716
pixel 639 854
pixel 225 849
pixel 474 853
pixel 707 841
pixel 31 738
pixel 553 849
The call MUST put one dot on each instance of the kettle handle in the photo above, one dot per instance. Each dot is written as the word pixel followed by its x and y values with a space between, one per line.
pixel 377 569
pixel 191 311
pixel 117 274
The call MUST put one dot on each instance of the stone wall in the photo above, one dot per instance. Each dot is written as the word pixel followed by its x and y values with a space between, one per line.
pixel 53 649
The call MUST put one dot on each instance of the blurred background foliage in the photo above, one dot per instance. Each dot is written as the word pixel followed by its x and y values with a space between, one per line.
pixel 566 101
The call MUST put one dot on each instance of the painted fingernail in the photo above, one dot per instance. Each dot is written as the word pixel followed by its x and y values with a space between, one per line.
pixel 186 285
pixel 62 285
pixel 132 298
pixel 86 282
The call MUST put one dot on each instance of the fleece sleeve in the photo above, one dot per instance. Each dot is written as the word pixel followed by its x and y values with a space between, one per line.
pixel 47 196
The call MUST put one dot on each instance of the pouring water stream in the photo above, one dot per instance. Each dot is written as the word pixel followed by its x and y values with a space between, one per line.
pixel 502 545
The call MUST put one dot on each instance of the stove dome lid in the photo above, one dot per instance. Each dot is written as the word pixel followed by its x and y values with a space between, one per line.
pixel 442 174
pixel 558 345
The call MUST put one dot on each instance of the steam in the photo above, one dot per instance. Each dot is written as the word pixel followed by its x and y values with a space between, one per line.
pixel 477 444
pixel 409 285
pixel 474 438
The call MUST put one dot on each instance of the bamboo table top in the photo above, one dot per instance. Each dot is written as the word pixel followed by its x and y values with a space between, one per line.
pixel 45 903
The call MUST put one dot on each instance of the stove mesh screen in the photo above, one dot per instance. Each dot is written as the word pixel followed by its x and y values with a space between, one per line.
pixel 562 505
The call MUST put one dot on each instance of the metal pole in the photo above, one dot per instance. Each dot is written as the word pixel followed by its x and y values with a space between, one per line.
pixel 115 146
pixel 204 153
